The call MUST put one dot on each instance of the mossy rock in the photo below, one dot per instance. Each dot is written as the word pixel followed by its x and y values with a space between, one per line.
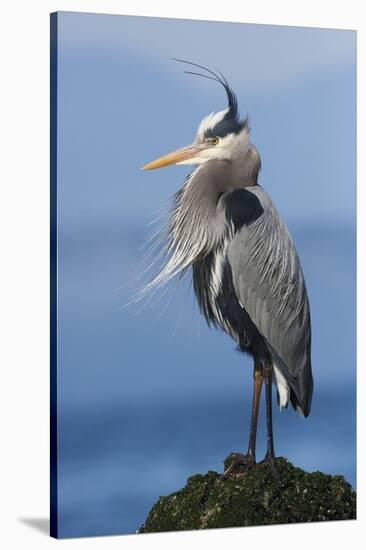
pixel 255 499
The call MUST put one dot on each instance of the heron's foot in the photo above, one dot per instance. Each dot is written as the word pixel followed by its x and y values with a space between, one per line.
pixel 239 466
pixel 270 461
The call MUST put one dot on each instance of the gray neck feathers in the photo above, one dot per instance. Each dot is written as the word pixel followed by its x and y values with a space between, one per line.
pixel 196 225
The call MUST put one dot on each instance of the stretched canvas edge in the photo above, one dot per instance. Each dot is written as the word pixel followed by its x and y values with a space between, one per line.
pixel 53 276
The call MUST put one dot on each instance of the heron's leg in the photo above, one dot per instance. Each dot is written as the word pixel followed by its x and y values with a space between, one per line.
pixel 270 455
pixel 267 372
pixel 257 388
pixel 241 463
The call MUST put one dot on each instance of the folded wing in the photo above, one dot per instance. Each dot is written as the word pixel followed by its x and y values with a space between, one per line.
pixel 269 284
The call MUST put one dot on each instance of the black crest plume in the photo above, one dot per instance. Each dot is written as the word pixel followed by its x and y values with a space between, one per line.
pixel 231 123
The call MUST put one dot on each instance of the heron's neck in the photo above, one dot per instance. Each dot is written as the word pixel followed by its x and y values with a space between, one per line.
pixel 196 225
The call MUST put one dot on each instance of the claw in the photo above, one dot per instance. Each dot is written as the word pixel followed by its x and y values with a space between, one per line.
pixel 239 467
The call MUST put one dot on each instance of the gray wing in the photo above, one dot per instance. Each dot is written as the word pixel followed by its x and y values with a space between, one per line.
pixel 270 285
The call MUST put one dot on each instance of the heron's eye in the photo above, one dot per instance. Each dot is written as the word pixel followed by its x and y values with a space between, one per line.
pixel 214 141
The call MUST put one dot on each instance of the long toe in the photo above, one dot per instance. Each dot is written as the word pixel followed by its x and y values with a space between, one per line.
pixel 239 466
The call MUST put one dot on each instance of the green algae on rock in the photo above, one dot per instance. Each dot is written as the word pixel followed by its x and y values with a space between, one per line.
pixel 255 499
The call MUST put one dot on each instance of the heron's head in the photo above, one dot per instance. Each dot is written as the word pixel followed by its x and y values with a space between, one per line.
pixel 220 136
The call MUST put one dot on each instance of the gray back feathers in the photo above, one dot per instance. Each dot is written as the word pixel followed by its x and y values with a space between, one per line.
pixel 270 285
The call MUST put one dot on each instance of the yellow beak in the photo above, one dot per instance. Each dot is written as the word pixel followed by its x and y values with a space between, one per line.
pixel 180 155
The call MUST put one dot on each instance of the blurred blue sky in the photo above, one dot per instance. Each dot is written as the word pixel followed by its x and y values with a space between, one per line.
pixel 148 395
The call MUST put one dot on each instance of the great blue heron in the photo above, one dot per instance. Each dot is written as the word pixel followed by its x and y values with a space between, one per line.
pixel 246 272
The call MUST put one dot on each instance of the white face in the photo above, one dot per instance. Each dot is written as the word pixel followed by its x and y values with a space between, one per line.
pixel 218 148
